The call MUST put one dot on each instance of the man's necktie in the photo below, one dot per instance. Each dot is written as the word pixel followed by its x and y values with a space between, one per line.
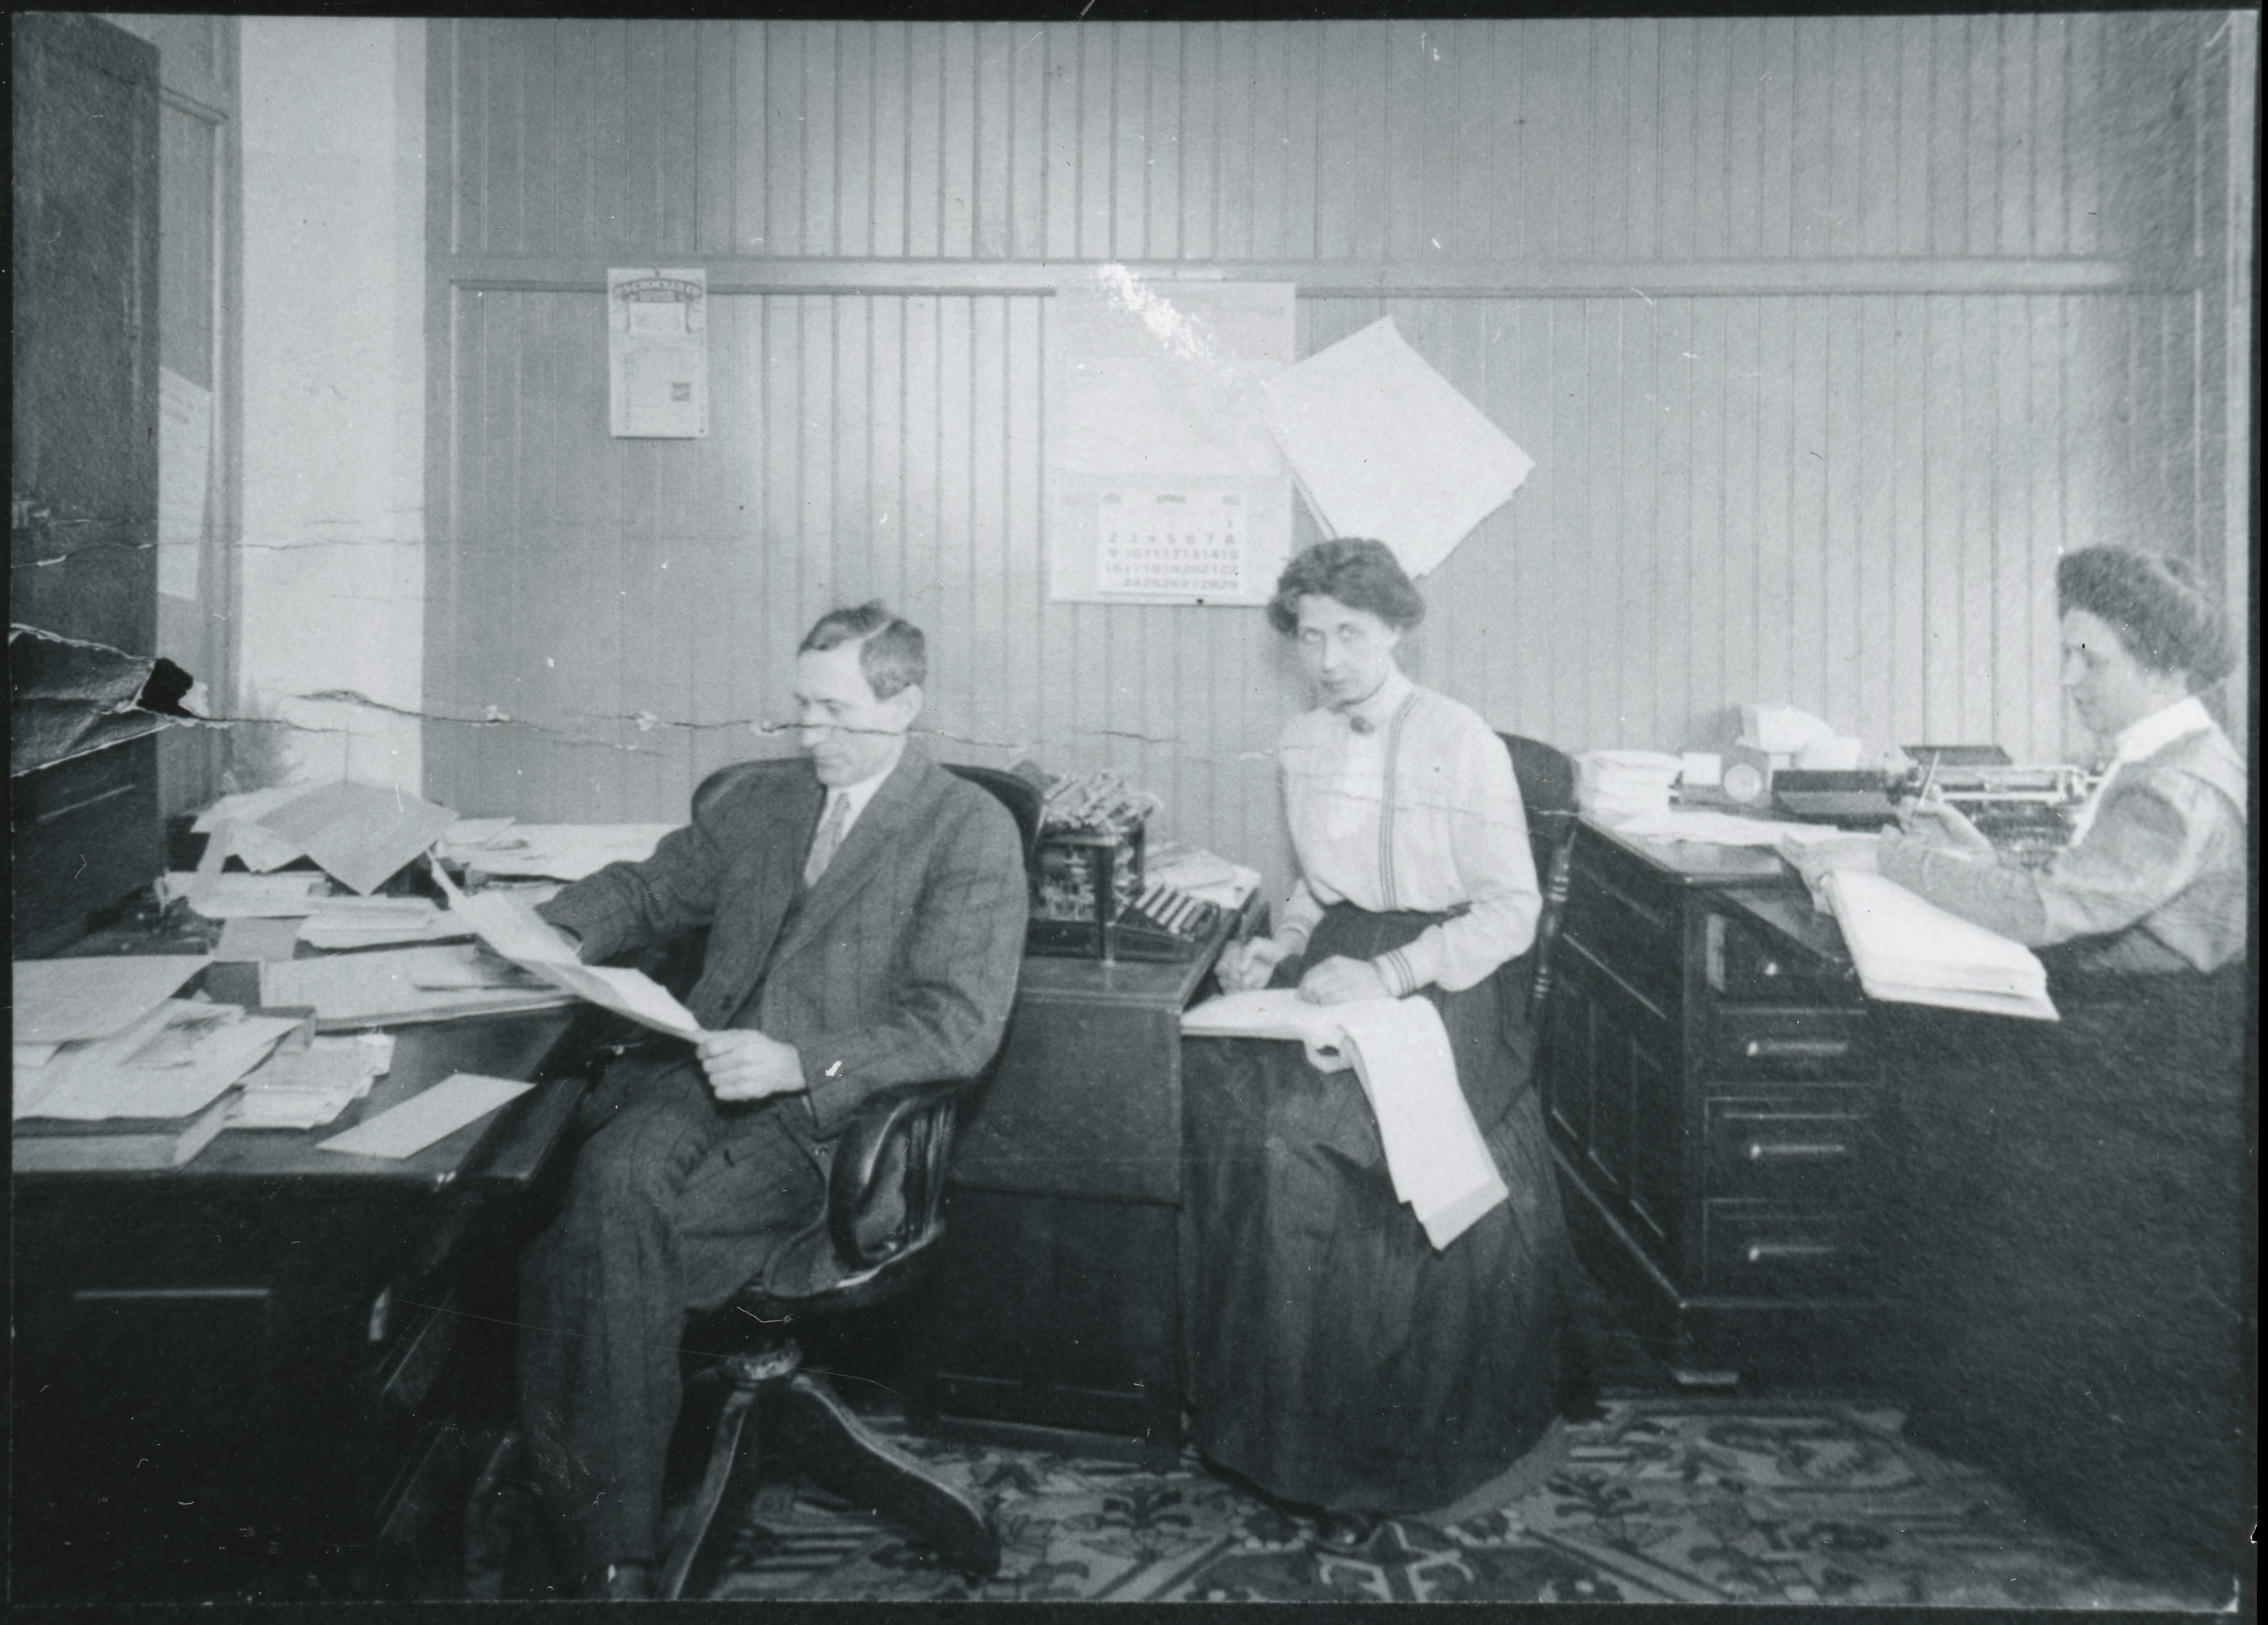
pixel 829 837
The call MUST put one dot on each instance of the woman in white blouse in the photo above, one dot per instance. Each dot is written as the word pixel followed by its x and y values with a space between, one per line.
pixel 1338 1362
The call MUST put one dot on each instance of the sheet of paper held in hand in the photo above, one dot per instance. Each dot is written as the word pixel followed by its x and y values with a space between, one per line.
pixel 419 1121
pixel 522 936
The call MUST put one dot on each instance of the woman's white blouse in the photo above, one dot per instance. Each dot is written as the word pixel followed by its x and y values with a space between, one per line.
pixel 1419 811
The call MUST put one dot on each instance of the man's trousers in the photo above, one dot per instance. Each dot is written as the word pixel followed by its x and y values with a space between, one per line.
pixel 674 1203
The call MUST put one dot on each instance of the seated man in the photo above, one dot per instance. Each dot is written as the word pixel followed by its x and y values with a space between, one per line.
pixel 866 924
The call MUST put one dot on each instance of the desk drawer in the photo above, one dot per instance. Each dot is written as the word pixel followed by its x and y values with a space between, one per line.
pixel 1814 1150
pixel 1750 1041
pixel 1754 1249
pixel 1747 962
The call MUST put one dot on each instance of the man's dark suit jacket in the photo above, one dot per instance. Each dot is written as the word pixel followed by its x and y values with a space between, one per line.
pixel 899 966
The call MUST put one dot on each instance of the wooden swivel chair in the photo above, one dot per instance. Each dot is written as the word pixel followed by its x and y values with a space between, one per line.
pixel 1546 776
pixel 884 1221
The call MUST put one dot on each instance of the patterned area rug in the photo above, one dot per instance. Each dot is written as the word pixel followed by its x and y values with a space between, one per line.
pixel 1658 1500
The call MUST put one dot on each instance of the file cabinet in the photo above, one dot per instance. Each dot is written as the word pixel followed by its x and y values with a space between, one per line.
pixel 1713 1090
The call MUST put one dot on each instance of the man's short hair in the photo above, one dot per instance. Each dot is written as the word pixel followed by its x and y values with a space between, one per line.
pixel 1358 572
pixel 2155 603
pixel 892 654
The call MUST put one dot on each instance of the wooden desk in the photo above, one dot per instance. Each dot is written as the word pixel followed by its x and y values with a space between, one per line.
pixel 1056 1314
pixel 1713 1094
pixel 272 1373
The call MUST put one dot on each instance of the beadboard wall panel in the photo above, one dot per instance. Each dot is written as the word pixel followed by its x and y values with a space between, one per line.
pixel 1827 335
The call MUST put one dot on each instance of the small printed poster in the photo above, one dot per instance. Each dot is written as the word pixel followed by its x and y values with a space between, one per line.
pixel 657 353
pixel 1188 545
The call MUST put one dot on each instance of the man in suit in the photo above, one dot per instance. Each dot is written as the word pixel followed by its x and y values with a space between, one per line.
pixel 866 916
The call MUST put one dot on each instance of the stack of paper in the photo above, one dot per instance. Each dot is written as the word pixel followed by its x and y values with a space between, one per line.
pixel 341 922
pixel 559 851
pixel 308 1088
pixel 172 1062
pixel 66 1001
pixel 1624 782
pixel 1910 951
pixel 1381 444
pixel 393 986
pixel 1439 1164
pixel 238 896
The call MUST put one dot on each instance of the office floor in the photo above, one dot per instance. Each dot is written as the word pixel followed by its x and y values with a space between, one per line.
pixel 1667 1495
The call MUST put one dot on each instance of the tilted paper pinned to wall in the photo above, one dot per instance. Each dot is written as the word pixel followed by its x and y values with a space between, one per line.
pixel 1381 444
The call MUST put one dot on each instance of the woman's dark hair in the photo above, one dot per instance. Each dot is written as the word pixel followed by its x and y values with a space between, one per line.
pixel 2155 604
pixel 1361 573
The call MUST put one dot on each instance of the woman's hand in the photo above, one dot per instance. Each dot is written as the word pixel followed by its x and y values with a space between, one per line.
pixel 1941 824
pixel 1244 966
pixel 743 1064
pixel 1815 860
pixel 1339 980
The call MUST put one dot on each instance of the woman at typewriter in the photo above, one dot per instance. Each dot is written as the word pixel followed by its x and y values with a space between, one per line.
pixel 1339 1361
pixel 2075 1233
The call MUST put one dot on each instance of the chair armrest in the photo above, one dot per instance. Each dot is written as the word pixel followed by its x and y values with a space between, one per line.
pixel 915 1116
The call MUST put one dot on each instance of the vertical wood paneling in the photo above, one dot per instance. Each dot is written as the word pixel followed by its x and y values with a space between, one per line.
pixel 1851 502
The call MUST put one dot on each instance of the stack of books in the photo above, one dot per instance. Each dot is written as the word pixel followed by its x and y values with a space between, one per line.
pixel 1909 951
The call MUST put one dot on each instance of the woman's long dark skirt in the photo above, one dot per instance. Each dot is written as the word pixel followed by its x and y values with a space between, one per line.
pixel 1335 1358
pixel 2075 1264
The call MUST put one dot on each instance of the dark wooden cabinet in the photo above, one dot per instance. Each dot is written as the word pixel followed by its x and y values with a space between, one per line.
pixel 272 1374
pixel 1711 1092
pixel 83 450
pixel 1058 1310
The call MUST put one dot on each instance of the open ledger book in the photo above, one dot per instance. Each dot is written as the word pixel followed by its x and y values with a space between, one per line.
pixel 1910 951
pixel 529 942
pixel 1398 1048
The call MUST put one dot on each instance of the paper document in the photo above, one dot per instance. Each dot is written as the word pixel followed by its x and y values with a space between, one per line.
pixel 59 1001
pixel 256 940
pixel 1399 1050
pixel 1724 828
pixel 1200 873
pixel 1910 951
pixel 514 931
pixel 421 1120
pixel 378 923
pixel 561 851
pixel 360 834
pixel 392 985
pixel 176 1061
pixel 1382 445
pixel 238 896
pixel 308 1088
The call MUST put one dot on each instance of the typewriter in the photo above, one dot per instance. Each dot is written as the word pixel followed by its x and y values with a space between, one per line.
pixel 1093 901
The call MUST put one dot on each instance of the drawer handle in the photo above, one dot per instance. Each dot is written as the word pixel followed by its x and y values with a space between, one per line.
pixel 1787 1252
pixel 1770 967
pixel 1766 1150
pixel 1796 1048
